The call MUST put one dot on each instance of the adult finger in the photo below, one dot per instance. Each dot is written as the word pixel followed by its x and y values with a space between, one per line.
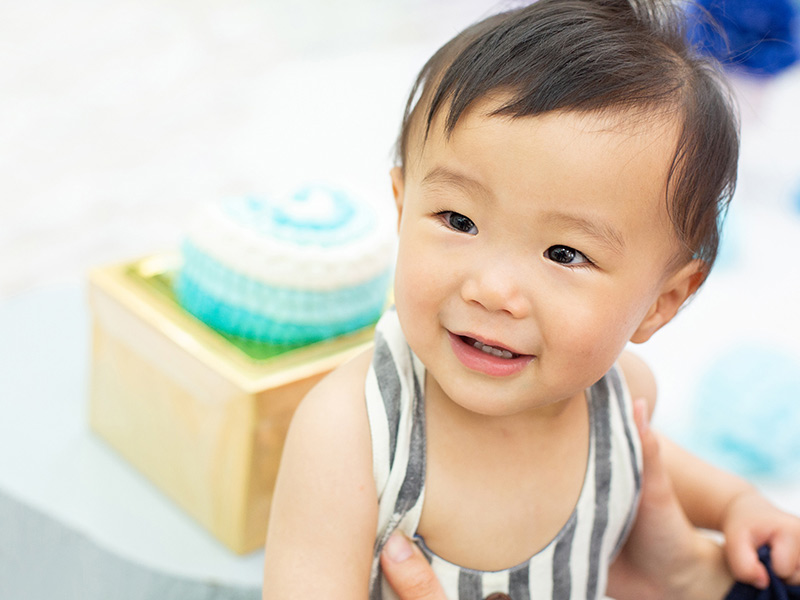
pixel 407 570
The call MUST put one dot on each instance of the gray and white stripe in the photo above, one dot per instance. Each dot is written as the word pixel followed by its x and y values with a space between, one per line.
pixel 574 565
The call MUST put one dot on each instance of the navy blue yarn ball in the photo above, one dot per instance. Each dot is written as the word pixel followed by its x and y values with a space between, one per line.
pixel 759 37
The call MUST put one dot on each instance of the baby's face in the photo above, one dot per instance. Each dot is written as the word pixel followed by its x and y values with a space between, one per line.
pixel 531 251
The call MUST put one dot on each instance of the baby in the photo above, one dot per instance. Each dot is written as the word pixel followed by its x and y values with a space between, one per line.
pixel 563 169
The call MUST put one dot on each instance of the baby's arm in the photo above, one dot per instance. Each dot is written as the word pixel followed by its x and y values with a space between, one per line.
pixel 714 499
pixel 324 509
pixel 717 500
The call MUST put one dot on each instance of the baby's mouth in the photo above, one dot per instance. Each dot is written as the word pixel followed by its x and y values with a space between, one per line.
pixel 493 350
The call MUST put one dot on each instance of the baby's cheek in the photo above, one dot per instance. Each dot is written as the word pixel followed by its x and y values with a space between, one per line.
pixel 409 287
pixel 415 276
pixel 594 342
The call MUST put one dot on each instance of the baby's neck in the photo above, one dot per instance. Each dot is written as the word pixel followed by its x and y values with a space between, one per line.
pixel 543 420
pixel 514 479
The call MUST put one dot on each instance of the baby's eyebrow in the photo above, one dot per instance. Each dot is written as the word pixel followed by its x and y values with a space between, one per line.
pixel 444 176
pixel 604 233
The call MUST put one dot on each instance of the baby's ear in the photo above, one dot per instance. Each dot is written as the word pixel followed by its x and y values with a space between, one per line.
pixel 398 189
pixel 675 291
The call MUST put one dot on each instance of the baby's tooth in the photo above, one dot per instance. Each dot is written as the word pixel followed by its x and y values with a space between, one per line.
pixel 493 351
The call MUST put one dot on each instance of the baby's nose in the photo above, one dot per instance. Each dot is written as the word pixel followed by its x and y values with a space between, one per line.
pixel 497 289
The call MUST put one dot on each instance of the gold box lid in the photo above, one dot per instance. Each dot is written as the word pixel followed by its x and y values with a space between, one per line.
pixel 145 287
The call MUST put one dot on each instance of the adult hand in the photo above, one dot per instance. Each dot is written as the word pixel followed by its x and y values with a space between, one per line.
pixel 665 556
pixel 407 570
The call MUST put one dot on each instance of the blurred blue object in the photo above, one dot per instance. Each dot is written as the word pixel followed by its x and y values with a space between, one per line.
pixel 759 37
pixel 797 198
pixel 732 231
pixel 747 412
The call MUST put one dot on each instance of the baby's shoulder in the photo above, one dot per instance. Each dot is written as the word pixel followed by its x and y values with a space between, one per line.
pixel 639 377
pixel 347 378
pixel 338 398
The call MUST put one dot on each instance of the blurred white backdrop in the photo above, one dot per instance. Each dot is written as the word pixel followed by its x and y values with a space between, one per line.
pixel 118 118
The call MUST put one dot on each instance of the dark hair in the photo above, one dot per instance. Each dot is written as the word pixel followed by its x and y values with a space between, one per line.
pixel 598 55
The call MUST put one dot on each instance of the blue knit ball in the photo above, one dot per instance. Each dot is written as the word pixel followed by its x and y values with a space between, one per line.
pixel 758 37
pixel 747 412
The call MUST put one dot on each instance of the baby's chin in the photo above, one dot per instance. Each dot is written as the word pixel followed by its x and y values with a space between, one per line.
pixel 503 399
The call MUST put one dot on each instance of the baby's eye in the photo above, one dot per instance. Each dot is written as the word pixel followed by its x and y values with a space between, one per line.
pixel 458 222
pixel 565 255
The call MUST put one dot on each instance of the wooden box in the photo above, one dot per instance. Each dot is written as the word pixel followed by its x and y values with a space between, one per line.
pixel 202 416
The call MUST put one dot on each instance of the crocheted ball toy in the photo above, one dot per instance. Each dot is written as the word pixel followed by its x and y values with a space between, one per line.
pixel 287 271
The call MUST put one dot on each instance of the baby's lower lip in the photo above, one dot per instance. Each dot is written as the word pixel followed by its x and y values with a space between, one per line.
pixel 499 363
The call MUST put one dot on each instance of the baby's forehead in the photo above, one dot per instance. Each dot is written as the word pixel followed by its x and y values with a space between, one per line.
pixel 653 123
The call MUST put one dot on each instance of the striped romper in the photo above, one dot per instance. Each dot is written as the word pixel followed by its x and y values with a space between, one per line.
pixel 575 563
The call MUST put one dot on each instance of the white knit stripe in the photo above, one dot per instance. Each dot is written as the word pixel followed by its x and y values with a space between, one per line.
pixel 379 430
pixel 447 576
pixel 400 505
pixel 389 386
pixel 419 371
pixel 626 410
pixel 627 461
pixel 603 403
pixel 400 356
pixel 387 593
pixel 540 573
pixel 361 259
pixel 396 512
pixel 581 542
pixel 624 480
pixel 409 497
pixel 495 581
pixel 389 491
